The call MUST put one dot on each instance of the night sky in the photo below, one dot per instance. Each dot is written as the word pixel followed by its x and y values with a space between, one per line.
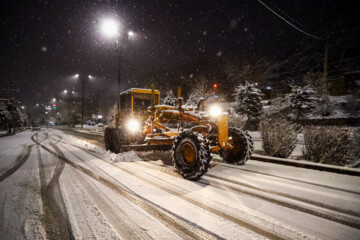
pixel 44 43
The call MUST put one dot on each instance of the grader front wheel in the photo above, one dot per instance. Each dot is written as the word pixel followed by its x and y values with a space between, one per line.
pixel 242 147
pixel 108 138
pixel 119 138
pixel 191 155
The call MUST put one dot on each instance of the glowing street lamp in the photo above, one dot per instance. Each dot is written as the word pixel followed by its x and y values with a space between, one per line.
pixel 131 34
pixel 54 99
pixel 65 91
pixel 110 28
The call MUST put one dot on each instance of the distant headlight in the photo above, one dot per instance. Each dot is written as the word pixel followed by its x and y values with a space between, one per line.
pixel 133 125
pixel 215 111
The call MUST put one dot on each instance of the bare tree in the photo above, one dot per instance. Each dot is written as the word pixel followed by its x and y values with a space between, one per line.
pixel 315 79
pixel 251 70
pixel 200 88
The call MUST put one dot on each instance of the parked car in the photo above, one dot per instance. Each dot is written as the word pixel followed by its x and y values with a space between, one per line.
pixel 90 123
pixel 36 127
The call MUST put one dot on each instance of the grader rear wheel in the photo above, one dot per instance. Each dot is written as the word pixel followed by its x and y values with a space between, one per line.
pixel 191 155
pixel 242 147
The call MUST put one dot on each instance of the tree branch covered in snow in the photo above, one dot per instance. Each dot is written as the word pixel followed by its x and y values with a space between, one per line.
pixel 316 80
pixel 169 99
pixel 200 88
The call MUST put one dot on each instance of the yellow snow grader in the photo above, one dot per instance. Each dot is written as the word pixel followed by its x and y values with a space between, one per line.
pixel 192 133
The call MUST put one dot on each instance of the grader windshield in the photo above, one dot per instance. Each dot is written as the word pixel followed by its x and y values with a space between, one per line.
pixel 137 101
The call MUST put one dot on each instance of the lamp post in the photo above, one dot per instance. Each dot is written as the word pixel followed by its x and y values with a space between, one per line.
pixel 83 96
pixel 110 29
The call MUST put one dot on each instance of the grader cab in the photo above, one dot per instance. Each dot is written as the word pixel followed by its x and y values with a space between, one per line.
pixel 142 124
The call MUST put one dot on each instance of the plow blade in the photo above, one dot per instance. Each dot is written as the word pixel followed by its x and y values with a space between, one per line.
pixel 145 147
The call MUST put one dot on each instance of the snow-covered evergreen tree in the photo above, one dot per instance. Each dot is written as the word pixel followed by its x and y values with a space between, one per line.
pixel 170 99
pixel 5 116
pixel 248 100
pixel 303 99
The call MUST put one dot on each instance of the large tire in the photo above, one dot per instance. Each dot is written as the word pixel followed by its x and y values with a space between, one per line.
pixel 191 155
pixel 243 147
pixel 119 138
pixel 108 138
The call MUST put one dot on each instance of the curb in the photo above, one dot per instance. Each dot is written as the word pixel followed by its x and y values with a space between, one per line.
pixel 308 165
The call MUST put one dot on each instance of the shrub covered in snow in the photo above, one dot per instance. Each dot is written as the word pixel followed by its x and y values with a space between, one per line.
pixel 303 99
pixel 248 100
pixel 279 136
pixel 236 120
pixel 357 142
pixel 169 99
pixel 330 145
pixel 75 118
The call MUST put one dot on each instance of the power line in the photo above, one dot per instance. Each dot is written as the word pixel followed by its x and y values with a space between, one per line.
pixel 310 35
pixel 284 13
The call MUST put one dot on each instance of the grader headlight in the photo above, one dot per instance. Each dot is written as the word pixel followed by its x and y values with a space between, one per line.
pixel 215 111
pixel 133 125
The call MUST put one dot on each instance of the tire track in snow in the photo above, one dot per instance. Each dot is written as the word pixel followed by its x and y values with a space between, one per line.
pixel 118 222
pixel 237 221
pixel 20 160
pixel 54 215
pixel 355 223
pixel 286 178
pixel 307 201
pixel 213 210
pixel 319 213
pixel 177 224
pixel 240 222
pixel 121 226
pixel 2 216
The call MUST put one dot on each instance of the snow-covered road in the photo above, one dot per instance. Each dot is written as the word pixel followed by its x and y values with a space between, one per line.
pixel 54 186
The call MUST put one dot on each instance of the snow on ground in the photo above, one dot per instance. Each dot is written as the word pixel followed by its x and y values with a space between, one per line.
pixel 20 200
pixel 336 107
pixel 100 195
pixel 11 147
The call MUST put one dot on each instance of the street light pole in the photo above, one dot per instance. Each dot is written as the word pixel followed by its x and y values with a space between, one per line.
pixel 110 29
pixel 82 101
pixel 119 78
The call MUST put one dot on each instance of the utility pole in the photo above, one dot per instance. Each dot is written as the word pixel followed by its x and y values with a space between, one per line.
pixel 325 74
